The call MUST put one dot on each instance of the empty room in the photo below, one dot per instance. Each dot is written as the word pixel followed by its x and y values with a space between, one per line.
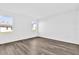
pixel 39 28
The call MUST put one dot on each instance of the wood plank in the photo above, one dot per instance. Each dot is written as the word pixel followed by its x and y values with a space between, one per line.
pixel 39 46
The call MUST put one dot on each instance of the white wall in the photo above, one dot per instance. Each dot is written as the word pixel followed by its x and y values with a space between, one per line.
pixel 62 27
pixel 21 28
pixel 77 31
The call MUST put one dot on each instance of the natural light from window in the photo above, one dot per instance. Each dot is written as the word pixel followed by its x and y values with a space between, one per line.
pixel 6 23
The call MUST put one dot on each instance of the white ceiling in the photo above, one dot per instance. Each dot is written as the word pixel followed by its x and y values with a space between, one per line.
pixel 38 10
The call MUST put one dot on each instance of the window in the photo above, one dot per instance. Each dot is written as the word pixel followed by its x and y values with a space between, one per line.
pixel 34 26
pixel 6 23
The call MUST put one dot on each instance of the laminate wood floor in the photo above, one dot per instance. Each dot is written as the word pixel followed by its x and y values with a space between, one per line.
pixel 39 46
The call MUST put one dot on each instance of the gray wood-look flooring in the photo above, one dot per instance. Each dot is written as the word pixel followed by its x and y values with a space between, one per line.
pixel 39 46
